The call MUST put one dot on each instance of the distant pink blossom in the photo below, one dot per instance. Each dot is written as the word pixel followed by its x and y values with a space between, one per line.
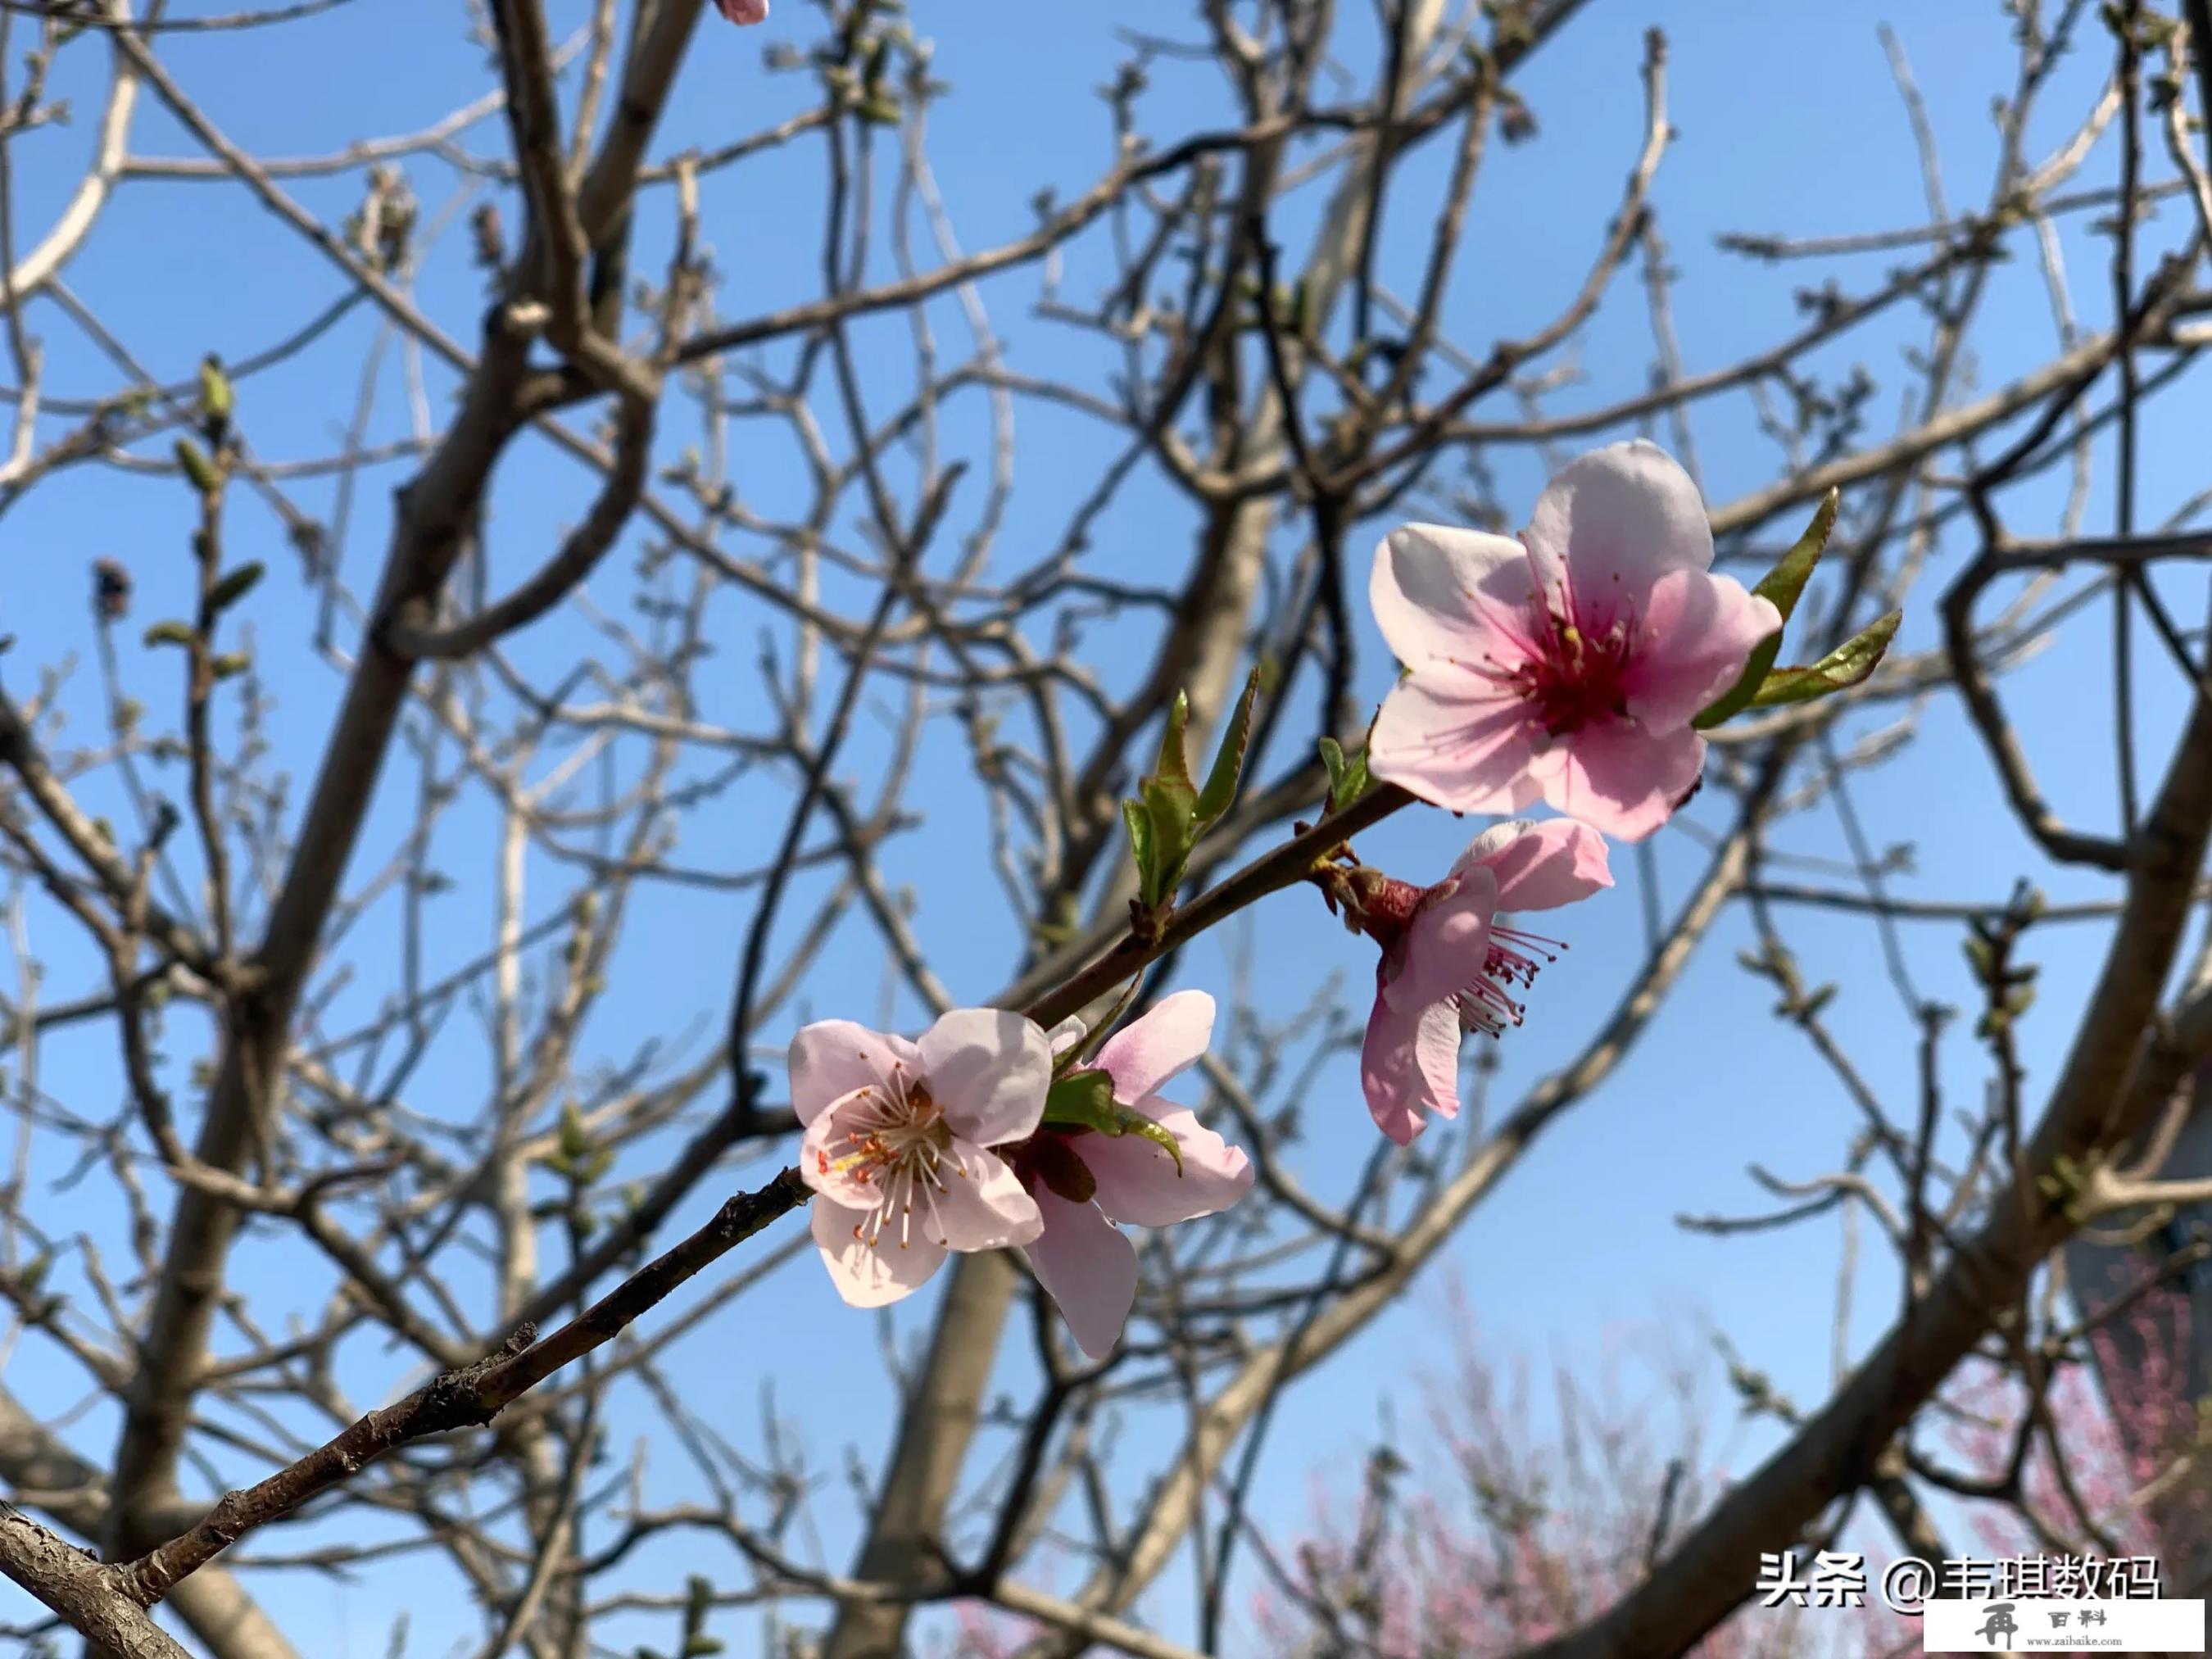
pixel 1565 667
pixel 1449 968
pixel 1084 1182
pixel 897 1138
pixel 742 11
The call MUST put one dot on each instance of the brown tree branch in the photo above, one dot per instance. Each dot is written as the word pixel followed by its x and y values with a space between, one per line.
pixel 468 1397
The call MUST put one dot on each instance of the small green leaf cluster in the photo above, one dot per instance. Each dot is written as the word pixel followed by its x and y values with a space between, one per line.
pixel 1762 686
pixel 1171 813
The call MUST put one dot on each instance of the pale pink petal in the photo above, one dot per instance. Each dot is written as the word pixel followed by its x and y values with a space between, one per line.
pixel 1090 1269
pixel 1455 742
pixel 1410 1067
pixel 982 1205
pixel 743 11
pixel 1441 594
pixel 1624 782
pixel 1548 761
pixel 1065 1035
pixel 1694 636
pixel 822 1155
pixel 1542 866
pixel 1612 522
pixel 1139 1183
pixel 1444 943
pixel 870 1277
pixel 1144 1055
pixel 989 1072
pixel 1483 850
pixel 831 1058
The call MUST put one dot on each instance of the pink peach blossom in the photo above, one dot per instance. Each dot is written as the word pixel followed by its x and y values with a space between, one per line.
pixel 742 11
pixel 1565 667
pixel 1082 1258
pixel 897 1139
pixel 1449 968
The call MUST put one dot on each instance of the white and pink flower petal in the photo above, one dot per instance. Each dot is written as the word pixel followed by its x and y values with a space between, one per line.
pixel 1138 1182
pixel 989 1072
pixel 1440 594
pixel 1409 1067
pixel 1701 630
pixel 1623 782
pixel 1611 523
pixel 831 1058
pixel 1065 1035
pixel 1444 941
pixel 870 1270
pixel 1089 1268
pixel 1456 741
pixel 1540 865
pixel 1146 1052
pixel 981 1204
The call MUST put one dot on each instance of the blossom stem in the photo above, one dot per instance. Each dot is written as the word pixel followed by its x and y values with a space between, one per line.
pixel 465 1397
pixel 1285 866
pixel 477 1393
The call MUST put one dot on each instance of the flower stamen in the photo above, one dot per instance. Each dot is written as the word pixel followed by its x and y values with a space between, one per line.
pixel 1509 960
pixel 901 1145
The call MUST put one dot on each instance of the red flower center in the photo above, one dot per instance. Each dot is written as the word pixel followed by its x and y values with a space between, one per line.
pixel 1573 666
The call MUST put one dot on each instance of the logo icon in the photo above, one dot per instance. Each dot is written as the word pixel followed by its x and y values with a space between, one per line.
pixel 1999 1623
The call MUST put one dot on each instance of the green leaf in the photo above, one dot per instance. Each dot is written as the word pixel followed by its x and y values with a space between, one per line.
pixel 1168 806
pixel 1141 842
pixel 1783 586
pixel 1842 668
pixel 1137 1123
pixel 216 397
pixel 168 633
pixel 879 111
pixel 1228 761
pixel 575 1138
pixel 1173 765
pixel 1787 579
pixel 230 665
pixel 200 469
pixel 1085 1099
pixel 234 585
pixel 1354 783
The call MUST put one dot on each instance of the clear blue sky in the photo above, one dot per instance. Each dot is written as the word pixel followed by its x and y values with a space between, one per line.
pixel 1788 122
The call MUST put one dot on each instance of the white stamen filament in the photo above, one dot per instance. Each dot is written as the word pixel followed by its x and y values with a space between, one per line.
pixel 901 1145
